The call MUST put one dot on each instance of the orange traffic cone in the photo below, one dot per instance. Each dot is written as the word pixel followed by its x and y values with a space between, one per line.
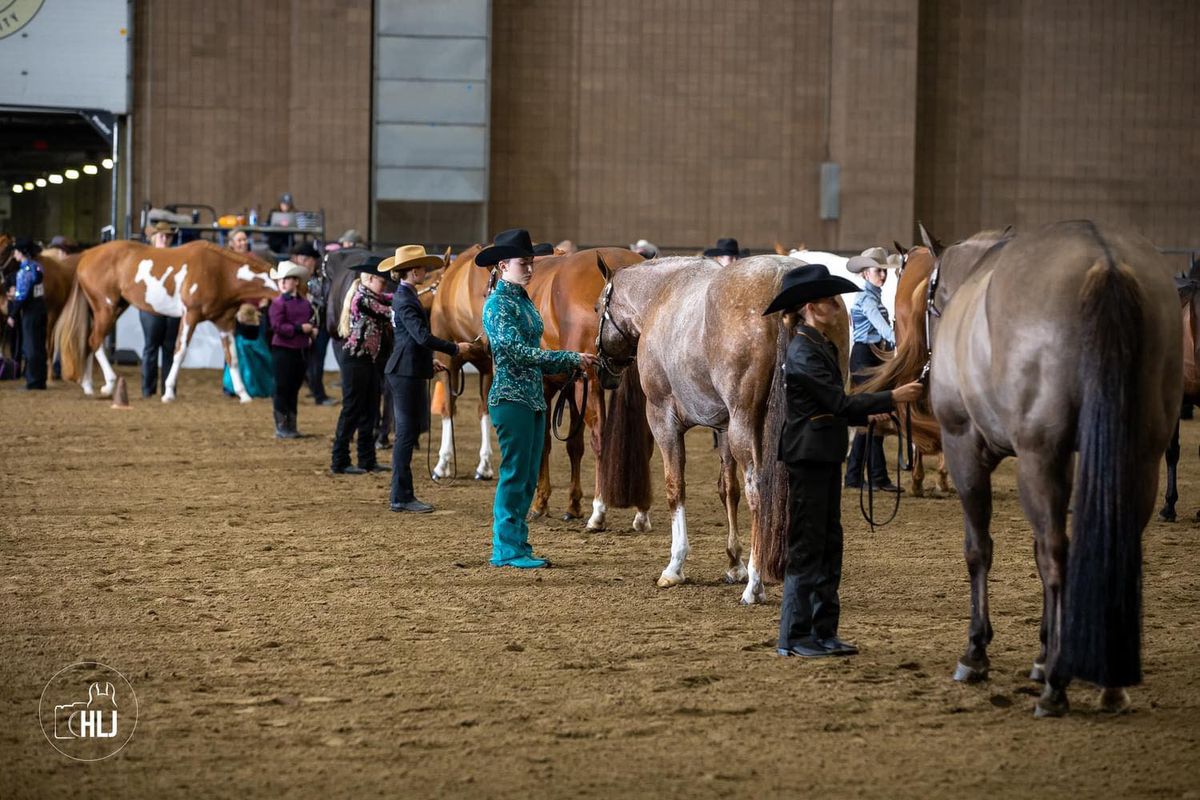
pixel 121 396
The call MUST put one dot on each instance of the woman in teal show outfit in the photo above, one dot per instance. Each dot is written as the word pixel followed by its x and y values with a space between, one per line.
pixel 516 401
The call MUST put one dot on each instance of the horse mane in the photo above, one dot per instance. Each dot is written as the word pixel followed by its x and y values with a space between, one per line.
pixel 908 359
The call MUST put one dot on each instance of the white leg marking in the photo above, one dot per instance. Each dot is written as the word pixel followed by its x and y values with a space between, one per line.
pixel 86 383
pixel 673 574
pixel 180 351
pixel 110 375
pixel 446 454
pixel 485 448
pixel 754 593
pixel 235 374
pixel 641 522
pixel 599 510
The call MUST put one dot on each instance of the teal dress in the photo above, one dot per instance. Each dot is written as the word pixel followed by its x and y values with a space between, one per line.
pixel 517 405
pixel 253 348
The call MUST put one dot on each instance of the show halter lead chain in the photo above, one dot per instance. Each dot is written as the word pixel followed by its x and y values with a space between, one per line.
pixel 866 491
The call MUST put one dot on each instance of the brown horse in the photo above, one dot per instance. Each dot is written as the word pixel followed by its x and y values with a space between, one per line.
pixel 909 357
pixel 1062 340
pixel 58 274
pixel 1189 301
pixel 565 289
pixel 197 281
pixel 705 356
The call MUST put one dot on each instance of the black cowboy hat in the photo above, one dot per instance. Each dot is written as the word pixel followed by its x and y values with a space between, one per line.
pixel 725 247
pixel 514 243
pixel 27 246
pixel 304 249
pixel 807 283
pixel 368 264
pixel 543 249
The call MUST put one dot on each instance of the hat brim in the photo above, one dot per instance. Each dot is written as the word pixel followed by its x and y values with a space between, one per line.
pixel 860 264
pixel 795 296
pixel 492 255
pixel 429 262
pixel 713 252
pixel 371 265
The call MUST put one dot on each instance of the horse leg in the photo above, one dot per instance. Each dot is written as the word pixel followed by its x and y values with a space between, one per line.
pixel 971 466
pixel 187 328
pixel 1167 514
pixel 102 324
pixel 231 360
pixel 1044 485
pixel 446 452
pixel 484 472
pixel 943 478
pixel 730 494
pixel 86 383
pixel 670 442
pixel 918 474
pixel 594 416
pixel 575 454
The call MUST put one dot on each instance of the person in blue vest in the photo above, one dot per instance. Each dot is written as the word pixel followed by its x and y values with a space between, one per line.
pixel 29 303
pixel 516 402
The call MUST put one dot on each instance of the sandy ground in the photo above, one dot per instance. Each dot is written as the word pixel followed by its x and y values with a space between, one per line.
pixel 286 634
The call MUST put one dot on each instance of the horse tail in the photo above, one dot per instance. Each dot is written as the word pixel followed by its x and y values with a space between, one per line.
pixel 1103 598
pixel 627 445
pixel 71 332
pixel 769 539
pixel 343 323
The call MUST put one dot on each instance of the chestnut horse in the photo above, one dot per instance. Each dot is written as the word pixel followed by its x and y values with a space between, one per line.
pixel 705 356
pixel 197 281
pixel 1046 344
pixel 58 274
pixel 909 357
pixel 1189 301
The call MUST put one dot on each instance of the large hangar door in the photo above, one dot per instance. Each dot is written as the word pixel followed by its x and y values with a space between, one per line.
pixel 430 121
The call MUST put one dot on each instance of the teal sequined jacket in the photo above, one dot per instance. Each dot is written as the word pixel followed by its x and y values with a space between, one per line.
pixel 514 331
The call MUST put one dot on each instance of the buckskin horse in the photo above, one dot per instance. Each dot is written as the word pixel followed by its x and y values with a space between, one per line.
pixel 909 358
pixel 1189 302
pixel 197 281
pixel 716 366
pixel 1046 344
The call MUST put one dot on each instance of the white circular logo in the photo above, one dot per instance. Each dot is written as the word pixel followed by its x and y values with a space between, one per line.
pixel 88 711
pixel 15 14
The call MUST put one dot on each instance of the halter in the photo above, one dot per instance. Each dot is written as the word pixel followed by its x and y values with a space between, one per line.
pixel 931 311
pixel 609 363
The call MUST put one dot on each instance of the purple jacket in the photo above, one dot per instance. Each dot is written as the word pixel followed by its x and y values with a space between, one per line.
pixel 287 314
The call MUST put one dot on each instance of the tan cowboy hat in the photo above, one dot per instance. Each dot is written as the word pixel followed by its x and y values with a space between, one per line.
pixel 410 256
pixel 875 257
pixel 163 227
pixel 288 269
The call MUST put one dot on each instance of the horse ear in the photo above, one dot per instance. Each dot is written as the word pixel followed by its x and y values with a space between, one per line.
pixel 780 249
pixel 604 270
pixel 446 258
pixel 899 248
pixel 934 245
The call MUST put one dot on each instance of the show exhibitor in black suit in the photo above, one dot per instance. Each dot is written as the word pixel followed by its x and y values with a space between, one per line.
pixel 409 366
pixel 813 444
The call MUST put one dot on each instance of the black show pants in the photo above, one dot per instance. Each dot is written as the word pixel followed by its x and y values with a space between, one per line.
pixel 33 342
pixel 158 333
pixel 360 406
pixel 316 365
pixel 290 364
pixel 814 561
pixel 408 400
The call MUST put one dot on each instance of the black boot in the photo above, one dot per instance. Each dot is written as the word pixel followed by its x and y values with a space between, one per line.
pixel 280 425
pixel 854 466
pixel 290 431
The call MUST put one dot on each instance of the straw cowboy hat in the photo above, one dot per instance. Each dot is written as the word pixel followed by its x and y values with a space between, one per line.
pixel 289 269
pixel 807 283
pixel 409 256
pixel 513 243
pixel 163 227
pixel 875 257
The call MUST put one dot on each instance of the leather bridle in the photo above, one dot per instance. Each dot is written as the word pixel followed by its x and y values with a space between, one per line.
pixel 609 363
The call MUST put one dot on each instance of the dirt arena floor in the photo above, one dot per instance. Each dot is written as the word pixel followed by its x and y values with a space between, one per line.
pixel 288 636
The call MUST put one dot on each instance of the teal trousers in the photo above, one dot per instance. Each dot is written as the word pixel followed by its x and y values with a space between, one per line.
pixel 520 430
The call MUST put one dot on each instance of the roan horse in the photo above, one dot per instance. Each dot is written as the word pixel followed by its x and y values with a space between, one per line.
pixel 1062 340
pixel 1189 301
pixel 705 356
pixel 197 281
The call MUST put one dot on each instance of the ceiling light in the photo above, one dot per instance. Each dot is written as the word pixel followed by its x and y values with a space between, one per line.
pixel 107 163
pixel 56 178
pixel 29 186
pixel 18 188
pixel 71 174
pixel 90 169
pixel 41 183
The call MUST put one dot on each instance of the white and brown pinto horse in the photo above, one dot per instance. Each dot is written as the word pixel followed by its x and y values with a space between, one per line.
pixel 1061 347
pixel 705 356
pixel 196 282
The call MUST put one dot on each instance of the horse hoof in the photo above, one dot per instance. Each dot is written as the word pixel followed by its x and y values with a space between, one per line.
pixel 246 399
pixel 106 391
pixel 479 476
pixel 641 522
pixel 968 674
pixel 532 515
pixel 667 580
pixel 750 598
pixel 1038 673
pixel 1050 708
pixel 1114 700
pixel 168 398
pixel 737 575
pixel 595 528
pixel 569 517
pixel 1166 516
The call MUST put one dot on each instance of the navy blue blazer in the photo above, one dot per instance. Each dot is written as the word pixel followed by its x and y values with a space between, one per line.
pixel 412 352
